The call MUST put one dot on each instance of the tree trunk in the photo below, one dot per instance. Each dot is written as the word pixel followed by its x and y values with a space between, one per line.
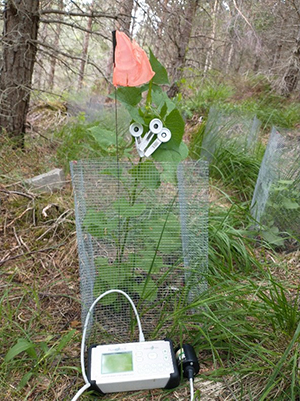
pixel 85 48
pixel 211 49
pixel 291 77
pixel 125 12
pixel 41 62
pixel 182 46
pixel 229 58
pixel 57 33
pixel 21 20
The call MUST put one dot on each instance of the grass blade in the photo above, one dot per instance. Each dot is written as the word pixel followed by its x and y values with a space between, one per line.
pixel 270 383
pixel 21 346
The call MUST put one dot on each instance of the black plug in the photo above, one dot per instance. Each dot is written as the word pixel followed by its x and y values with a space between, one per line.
pixel 187 361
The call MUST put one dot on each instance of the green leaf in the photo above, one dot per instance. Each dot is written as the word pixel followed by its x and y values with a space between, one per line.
pixel 21 346
pixel 44 347
pixel 125 209
pixel 173 155
pixel 66 338
pixel 147 174
pixel 102 286
pixel 163 110
pixel 128 95
pixel 175 150
pixel 161 99
pixel 283 360
pixel 95 223
pixel 25 379
pixel 144 261
pixel 170 239
pixel 289 204
pixel 161 75
pixel 113 171
pixel 175 123
pixel 134 114
pixel 272 236
pixel 149 293
pixel 111 273
pixel 285 182
pixel 106 139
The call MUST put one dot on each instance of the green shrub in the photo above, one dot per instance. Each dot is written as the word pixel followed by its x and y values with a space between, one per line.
pixel 83 140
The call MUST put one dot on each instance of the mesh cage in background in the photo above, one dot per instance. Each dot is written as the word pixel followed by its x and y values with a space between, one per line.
pixel 276 199
pixel 223 128
pixel 143 229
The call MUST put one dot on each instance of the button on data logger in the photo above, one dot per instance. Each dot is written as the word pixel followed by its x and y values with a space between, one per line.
pixel 152 355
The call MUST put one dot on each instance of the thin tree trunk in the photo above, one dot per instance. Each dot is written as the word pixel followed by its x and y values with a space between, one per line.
pixel 161 25
pixel 85 49
pixel 229 59
pixel 55 45
pixel 39 79
pixel 211 49
pixel 21 21
pixel 182 47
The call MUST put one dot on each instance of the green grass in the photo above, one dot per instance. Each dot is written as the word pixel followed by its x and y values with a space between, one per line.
pixel 240 333
pixel 233 165
pixel 275 112
pixel 245 327
pixel 200 96
pixel 250 96
pixel 236 169
pixel 231 241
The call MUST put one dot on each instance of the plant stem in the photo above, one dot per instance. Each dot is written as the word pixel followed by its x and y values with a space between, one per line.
pixel 127 220
pixel 158 245
pixel 149 96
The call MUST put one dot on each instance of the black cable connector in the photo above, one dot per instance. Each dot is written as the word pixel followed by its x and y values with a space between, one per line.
pixel 187 361
pixel 188 364
pixel 189 372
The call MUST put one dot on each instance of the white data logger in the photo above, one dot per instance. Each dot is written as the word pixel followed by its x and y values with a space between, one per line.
pixel 132 366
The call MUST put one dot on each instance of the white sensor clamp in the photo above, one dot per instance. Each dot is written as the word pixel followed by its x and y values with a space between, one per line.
pixel 146 145
pixel 163 136
pixel 155 127
pixel 136 130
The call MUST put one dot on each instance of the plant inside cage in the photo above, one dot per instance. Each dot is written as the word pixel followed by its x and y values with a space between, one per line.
pixel 141 223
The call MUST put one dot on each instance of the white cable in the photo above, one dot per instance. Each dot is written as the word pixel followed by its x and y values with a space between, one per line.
pixel 81 391
pixel 141 335
pixel 192 388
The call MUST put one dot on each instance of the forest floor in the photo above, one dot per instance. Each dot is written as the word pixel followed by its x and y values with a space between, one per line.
pixel 39 281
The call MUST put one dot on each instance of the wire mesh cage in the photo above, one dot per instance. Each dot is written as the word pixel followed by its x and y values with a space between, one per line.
pixel 223 128
pixel 276 199
pixel 142 229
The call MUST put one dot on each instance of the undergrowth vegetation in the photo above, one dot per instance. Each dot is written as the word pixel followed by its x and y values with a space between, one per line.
pixel 253 96
pixel 245 327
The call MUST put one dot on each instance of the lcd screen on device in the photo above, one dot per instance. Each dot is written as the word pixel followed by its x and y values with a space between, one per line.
pixel 115 363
